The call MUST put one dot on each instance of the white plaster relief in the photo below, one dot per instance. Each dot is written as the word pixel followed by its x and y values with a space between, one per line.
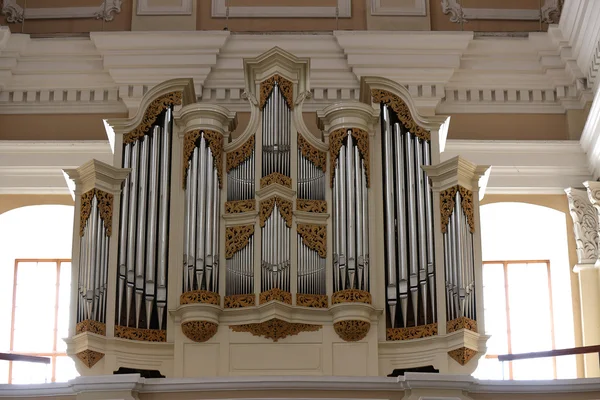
pixel 550 12
pixel 106 11
pixel 220 10
pixel 585 224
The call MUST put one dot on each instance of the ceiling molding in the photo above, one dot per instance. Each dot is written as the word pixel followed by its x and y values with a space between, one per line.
pixel 549 10
pixel 343 10
pixel 419 8
pixel 145 8
pixel 106 10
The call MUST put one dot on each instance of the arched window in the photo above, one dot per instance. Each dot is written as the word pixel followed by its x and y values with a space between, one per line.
pixel 35 277
pixel 527 291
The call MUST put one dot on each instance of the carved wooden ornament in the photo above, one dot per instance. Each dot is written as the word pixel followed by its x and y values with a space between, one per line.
pixel 462 355
pixel 286 87
pixel 240 206
pixel 89 357
pixel 336 140
pixel 351 296
pixel 447 206
pixel 151 114
pixel 275 294
pixel 143 335
pixel 312 206
pixel 311 153
pixel 311 300
pixel 276 177
pixel 267 206
pixel 91 326
pixel 239 155
pixel 236 238
pixel 200 296
pixel 240 301
pixel 413 332
pixel 352 330
pixel 314 237
pixel 105 205
pixel 199 331
pixel 461 323
pixel 275 329
pixel 215 143
pixel 402 111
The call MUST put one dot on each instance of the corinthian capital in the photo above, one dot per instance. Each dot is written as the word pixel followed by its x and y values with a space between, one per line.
pixel 585 223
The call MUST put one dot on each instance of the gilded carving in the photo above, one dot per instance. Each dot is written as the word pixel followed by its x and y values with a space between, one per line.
pixel 89 357
pixel 91 326
pixel 402 111
pixel 239 155
pixel 276 177
pixel 336 140
pixel 200 296
pixel 275 329
pixel 151 114
pixel 236 238
pixel 311 153
pixel 351 296
pixel 144 335
pixel 105 206
pixel 312 206
pixel 461 323
pixel 240 206
pixel 275 294
pixel 466 202
pixel 462 355
pixel 267 206
pixel 311 300
pixel 286 87
pixel 215 143
pixel 447 206
pixel 199 331
pixel 413 332
pixel 352 330
pixel 314 237
pixel 240 301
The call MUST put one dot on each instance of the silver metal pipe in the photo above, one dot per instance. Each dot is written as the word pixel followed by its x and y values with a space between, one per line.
pixel 123 230
pixel 95 293
pixel 132 228
pixel 412 222
pixel 93 234
pixel 208 230
pixel 343 217
pixel 194 210
pixel 141 233
pixel 152 224
pixel 448 275
pixel 422 228
pixel 187 285
pixel 390 217
pixel 357 190
pixel 459 253
pixel 429 223
pixel 203 182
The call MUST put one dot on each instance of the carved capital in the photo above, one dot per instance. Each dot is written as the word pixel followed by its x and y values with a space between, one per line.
pixel 585 223
pixel 199 331
pixel 352 330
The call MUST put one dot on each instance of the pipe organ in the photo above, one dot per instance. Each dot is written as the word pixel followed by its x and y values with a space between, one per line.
pixel 349 238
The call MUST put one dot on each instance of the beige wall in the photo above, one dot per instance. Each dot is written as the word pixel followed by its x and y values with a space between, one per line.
pixel 559 203
pixel 509 126
pixel 11 201
pixel 163 22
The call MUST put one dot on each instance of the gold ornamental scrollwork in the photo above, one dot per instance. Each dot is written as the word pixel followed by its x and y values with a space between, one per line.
pixel 461 323
pixel 311 300
pixel 275 329
pixel 402 111
pixel 311 153
pixel 351 296
pixel 462 355
pixel 447 206
pixel 239 155
pixel 336 141
pixel 413 332
pixel 89 357
pixel 275 294
pixel 105 206
pixel 236 238
pixel 276 177
pixel 240 301
pixel 200 296
pixel 286 87
pixel 267 206
pixel 215 143
pixel 312 206
pixel 91 326
pixel 466 202
pixel 314 237
pixel 352 330
pixel 199 331
pixel 240 206
pixel 151 114
pixel 143 335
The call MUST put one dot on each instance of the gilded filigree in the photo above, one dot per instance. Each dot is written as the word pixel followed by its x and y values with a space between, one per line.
pixel 275 294
pixel 286 87
pixel 89 357
pixel 314 237
pixel 461 323
pixel 239 155
pixel 240 301
pixel 144 335
pixel 240 206
pixel 413 332
pixel 215 143
pixel 462 355
pixel 105 206
pixel 275 329
pixel 151 114
pixel 466 202
pixel 276 177
pixel 336 141
pixel 402 111
pixel 311 300
pixel 236 238
pixel 352 330
pixel 312 206
pixel 200 296
pixel 91 326
pixel 267 206
pixel 351 296
pixel 447 206
pixel 311 153
pixel 199 331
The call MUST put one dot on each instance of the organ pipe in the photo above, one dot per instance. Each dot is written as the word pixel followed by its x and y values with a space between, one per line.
pixel 276 128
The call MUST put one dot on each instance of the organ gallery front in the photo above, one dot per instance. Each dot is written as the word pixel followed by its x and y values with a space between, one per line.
pixel 280 249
